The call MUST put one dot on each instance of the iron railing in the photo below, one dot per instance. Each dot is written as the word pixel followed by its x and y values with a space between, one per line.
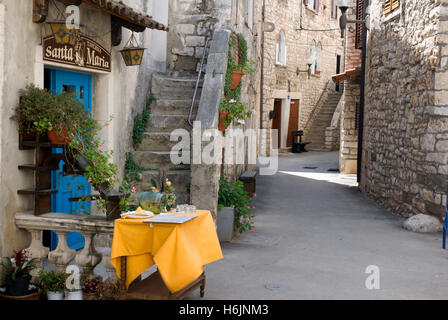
pixel 204 54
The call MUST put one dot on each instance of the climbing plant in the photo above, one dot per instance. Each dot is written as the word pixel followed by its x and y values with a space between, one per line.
pixel 232 96
pixel 140 122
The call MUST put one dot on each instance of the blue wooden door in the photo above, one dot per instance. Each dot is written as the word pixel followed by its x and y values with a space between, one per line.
pixel 69 186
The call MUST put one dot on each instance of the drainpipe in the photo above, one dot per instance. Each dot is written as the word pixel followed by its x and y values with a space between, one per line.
pixel 262 63
pixel 362 99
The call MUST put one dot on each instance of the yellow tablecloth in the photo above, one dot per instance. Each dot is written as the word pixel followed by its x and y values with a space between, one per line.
pixel 180 250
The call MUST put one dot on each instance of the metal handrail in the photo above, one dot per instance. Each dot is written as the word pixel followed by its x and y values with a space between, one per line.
pixel 204 53
pixel 317 107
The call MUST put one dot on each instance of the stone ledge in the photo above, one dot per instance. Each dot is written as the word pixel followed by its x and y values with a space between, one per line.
pixel 437 111
pixel 64 222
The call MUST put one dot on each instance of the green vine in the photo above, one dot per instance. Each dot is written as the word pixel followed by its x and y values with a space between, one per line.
pixel 140 122
pixel 231 102
pixel 235 94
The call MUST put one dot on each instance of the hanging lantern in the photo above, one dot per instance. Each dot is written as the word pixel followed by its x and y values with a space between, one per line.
pixel 132 54
pixel 64 35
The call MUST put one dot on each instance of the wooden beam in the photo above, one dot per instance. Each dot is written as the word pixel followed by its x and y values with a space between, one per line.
pixel 71 2
pixel 125 22
pixel 40 10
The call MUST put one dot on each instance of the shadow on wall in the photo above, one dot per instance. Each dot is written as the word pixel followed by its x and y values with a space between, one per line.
pixel 405 159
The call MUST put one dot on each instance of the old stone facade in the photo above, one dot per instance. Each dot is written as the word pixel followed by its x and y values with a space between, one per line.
pixel 348 155
pixel 312 38
pixel 118 94
pixel 193 22
pixel 404 164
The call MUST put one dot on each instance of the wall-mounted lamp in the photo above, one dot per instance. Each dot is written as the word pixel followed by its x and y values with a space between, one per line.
pixel 343 21
pixel 309 63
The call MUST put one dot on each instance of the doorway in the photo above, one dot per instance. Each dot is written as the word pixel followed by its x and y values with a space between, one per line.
pixel 69 186
pixel 293 121
pixel 277 121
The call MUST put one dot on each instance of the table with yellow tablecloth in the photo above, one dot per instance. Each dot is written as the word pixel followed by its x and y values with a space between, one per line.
pixel 180 251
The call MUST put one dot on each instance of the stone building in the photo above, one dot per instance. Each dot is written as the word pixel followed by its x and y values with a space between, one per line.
pixel 116 90
pixel 404 163
pixel 350 80
pixel 169 72
pixel 193 25
pixel 300 55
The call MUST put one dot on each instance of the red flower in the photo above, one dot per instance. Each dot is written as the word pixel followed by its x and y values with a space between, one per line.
pixel 20 257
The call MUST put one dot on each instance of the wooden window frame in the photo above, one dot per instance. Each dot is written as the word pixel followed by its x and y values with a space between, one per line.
pixel 312 5
pixel 360 14
pixel 390 6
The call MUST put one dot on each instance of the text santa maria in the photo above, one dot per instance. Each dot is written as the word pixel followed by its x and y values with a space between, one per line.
pixel 85 53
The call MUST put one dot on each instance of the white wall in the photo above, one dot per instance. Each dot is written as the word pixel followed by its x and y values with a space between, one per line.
pixel 120 94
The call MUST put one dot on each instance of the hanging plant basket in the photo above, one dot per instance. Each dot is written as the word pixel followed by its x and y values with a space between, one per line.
pixel 222 116
pixel 132 54
pixel 236 79
pixel 64 35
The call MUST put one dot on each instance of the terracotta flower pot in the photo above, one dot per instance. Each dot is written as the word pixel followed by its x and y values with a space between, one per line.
pixel 56 138
pixel 222 116
pixel 236 79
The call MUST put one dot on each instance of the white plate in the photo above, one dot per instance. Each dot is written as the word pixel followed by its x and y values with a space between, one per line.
pixel 131 214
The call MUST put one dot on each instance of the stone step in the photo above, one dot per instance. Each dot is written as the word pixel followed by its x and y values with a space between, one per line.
pixel 156 141
pixel 151 160
pixel 176 93
pixel 173 106
pixel 160 81
pixel 167 123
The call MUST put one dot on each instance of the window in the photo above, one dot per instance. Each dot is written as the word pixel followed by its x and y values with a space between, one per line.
pixel 312 4
pixel 281 49
pixel 360 14
pixel 318 59
pixel 390 5
pixel 313 57
pixel 334 9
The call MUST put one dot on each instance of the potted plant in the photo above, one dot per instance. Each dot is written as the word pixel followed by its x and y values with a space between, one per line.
pixel 54 283
pixel 234 210
pixel 90 288
pixel 16 273
pixel 232 111
pixel 39 111
pixel 239 71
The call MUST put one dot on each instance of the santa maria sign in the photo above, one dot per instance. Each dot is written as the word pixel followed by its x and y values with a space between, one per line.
pixel 84 53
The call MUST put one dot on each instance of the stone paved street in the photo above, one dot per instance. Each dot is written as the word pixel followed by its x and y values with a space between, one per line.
pixel 315 238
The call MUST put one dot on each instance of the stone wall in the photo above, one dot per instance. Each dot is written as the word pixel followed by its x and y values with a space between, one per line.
pixel 224 17
pixel 350 102
pixel 349 132
pixel 192 21
pixel 301 27
pixel 406 128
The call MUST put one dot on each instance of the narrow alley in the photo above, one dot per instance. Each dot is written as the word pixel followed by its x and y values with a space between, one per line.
pixel 315 236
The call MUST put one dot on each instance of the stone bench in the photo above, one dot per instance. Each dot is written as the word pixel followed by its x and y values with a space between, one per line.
pixel 249 180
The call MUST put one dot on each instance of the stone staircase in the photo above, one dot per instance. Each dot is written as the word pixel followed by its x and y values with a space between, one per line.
pixel 320 123
pixel 174 96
